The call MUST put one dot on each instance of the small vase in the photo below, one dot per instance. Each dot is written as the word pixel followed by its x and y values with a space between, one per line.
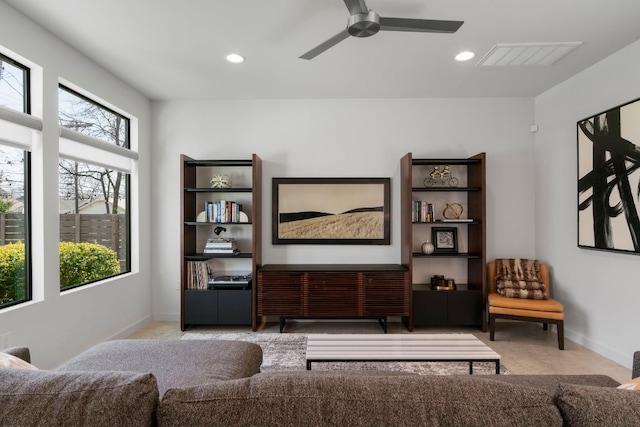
pixel 427 248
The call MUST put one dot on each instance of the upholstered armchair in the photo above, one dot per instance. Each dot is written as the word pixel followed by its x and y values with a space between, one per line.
pixel 543 311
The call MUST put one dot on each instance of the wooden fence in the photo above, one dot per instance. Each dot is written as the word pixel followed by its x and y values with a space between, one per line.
pixel 105 229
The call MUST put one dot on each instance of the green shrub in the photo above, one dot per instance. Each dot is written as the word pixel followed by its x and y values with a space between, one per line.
pixel 12 273
pixel 5 205
pixel 79 263
pixel 86 262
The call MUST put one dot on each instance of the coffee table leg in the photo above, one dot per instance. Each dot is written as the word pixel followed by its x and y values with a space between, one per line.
pixel 498 367
pixel 470 367
pixel 308 365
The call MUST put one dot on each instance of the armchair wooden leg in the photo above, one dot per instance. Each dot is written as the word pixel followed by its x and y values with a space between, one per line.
pixel 492 327
pixel 560 327
pixel 545 326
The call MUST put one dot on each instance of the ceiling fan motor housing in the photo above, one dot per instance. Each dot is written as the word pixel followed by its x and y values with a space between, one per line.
pixel 364 24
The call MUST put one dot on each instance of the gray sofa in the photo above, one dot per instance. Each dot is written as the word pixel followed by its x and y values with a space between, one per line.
pixel 210 383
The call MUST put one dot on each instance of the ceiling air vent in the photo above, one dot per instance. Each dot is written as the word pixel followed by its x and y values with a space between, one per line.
pixel 526 54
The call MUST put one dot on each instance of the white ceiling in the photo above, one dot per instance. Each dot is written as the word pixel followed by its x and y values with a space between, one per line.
pixel 175 49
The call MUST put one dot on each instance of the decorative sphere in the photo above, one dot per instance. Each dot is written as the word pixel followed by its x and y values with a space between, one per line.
pixel 427 248
pixel 221 181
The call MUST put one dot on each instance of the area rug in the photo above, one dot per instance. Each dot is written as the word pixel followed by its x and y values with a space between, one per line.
pixel 286 352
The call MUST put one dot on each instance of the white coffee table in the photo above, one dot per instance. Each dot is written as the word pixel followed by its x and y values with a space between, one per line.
pixel 399 348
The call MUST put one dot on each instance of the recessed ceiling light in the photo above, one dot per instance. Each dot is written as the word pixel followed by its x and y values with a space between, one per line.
pixel 465 56
pixel 234 58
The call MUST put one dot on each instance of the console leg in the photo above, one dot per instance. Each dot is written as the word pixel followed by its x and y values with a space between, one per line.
pixel 383 324
pixel 283 322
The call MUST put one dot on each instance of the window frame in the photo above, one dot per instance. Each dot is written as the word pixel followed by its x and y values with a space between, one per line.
pixel 95 162
pixel 26 72
pixel 62 86
pixel 26 108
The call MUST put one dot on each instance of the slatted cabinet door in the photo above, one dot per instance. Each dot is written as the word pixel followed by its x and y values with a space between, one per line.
pixel 280 293
pixel 386 293
pixel 332 294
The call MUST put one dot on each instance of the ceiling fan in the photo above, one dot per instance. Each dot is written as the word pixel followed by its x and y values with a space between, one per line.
pixel 364 22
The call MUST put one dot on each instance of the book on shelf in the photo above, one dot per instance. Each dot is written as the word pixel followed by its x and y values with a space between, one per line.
pixel 422 211
pixel 221 251
pixel 222 211
pixel 221 246
pixel 221 243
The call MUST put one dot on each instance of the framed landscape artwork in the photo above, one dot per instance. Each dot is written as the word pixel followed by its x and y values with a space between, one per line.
pixel 342 211
pixel 609 179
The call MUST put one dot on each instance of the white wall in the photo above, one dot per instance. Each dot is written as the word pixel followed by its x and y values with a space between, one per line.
pixel 600 290
pixel 57 326
pixel 336 138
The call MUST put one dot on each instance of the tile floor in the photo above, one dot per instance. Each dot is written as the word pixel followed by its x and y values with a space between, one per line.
pixel 525 348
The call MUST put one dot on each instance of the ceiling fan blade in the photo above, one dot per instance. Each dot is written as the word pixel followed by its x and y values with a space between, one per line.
pixel 326 45
pixel 419 25
pixel 356 6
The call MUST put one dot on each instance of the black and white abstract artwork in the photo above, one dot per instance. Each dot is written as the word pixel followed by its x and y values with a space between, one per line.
pixel 609 180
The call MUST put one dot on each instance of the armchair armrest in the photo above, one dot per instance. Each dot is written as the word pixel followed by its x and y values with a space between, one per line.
pixel 635 370
pixel 21 352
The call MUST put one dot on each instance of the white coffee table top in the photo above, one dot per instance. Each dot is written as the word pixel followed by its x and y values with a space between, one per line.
pixel 371 347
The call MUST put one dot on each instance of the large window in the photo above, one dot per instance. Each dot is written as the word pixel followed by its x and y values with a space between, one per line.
pixel 94 192
pixel 15 277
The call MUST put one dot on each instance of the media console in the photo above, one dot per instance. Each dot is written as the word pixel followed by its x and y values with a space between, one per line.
pixel 334 291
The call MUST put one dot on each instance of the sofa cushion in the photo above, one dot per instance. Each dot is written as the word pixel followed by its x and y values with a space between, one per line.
pixel 598 406
pixel 340 398
pixel 47 398
pixel 174 363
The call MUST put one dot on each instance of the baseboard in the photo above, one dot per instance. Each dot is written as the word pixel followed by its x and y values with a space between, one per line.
pixel 625 360
pixel 124 333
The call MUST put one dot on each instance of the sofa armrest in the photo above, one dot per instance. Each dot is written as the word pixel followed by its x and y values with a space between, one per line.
pixel 21 352
pixel 635 370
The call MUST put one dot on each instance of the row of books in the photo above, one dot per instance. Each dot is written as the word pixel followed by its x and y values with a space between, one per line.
pixel 198 275
pixel 222 211
pixel 422 212
pixel 218 245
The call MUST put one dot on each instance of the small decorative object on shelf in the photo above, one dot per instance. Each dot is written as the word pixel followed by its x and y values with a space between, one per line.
pixel 427 248
pixel 439 283
pixel 438 176
pixel 452 211
pixel 221 181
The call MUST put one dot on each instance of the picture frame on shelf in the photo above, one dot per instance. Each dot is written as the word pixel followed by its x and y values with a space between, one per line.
pixel 445 240
pixel 331 211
